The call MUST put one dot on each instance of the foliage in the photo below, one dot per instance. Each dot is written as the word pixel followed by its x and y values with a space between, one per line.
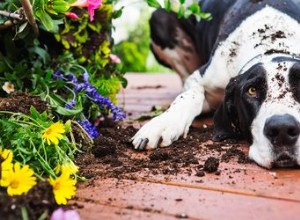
pixel 135 49
pixel 59 50
pixel 29 63
pixel 182 10
pixel 23 135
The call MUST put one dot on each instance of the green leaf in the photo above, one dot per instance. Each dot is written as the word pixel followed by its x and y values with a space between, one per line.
pixel 123 81
pixel 67 112
pixel 153 3
pixel 45 19
pixel 168 5
pixel 34 113
pixel 118 13
pixel 182 2
pixel 60 6
pixel 194 8
pixel 206 16
pixel 68 126
pixel 42 53
pixel 180 12
pixel 24 213
pixel 21 28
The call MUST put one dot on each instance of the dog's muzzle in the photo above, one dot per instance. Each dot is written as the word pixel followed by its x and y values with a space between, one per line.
pixel 283 132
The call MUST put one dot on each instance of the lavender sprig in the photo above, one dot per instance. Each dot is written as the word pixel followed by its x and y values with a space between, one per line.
pixel 92 93
pixel 70 104
pixel 90 129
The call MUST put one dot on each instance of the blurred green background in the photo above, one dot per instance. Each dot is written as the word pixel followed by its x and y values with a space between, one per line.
pixel 132 38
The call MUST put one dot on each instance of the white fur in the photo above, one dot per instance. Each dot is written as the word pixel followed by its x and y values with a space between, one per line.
pixel 176 120
pixel 247 43
pixel 261 150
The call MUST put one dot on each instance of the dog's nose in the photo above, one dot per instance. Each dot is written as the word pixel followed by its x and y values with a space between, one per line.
pixel 282 130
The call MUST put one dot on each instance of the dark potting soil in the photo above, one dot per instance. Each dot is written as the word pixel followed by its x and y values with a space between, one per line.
pixel 22 102
pixel 37 202
pixel 112 155
pixel 211 164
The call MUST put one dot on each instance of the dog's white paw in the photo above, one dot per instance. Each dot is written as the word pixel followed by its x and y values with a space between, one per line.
pixel 160 131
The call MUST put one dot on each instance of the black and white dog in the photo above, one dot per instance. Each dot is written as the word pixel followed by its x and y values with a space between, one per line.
pixel 245 63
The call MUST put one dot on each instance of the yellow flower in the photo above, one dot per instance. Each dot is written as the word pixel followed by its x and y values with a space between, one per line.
pixel 70 168
pixel 63 188
pixel 19 180
pixel 6 157
pixel 54 133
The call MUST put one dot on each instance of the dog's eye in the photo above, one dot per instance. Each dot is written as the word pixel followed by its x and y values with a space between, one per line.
pixel 252 91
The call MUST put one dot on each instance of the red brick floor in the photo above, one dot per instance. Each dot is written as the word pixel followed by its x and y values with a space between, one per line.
pixel 251 193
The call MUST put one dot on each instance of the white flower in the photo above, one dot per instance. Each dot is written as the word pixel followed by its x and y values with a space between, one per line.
pixel 8 87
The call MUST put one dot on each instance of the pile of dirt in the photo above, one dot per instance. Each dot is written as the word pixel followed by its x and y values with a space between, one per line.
pixel 113 155
pixel 21 102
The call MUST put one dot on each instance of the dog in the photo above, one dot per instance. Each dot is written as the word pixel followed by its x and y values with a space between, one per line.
pixel 244 64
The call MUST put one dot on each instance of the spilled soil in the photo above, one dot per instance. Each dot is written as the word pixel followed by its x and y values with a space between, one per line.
pixel 112 155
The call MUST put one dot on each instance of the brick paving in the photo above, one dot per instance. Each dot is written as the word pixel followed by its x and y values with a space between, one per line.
pixel 245 192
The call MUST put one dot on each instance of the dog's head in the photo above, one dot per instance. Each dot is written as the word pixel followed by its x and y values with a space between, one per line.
pixel 262 104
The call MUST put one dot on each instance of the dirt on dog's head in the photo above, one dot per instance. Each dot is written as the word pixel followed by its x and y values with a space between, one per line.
pixel 262 105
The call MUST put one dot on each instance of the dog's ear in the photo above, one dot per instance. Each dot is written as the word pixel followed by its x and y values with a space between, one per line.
pixel 225 117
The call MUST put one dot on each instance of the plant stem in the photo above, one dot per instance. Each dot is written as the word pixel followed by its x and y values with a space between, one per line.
pixel 29 14
pixel 13 15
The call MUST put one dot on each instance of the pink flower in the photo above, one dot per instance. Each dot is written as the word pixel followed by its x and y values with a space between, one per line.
pixel 114 58
pixel 60 214
pixel 92 5
pixel 72 15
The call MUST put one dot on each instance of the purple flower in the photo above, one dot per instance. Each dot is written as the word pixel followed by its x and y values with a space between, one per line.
pixel 81 86
pixel 60 214
pixel 86 77
pixel 102 101
pixel 58 75
pixel 89 128
pixel 70 104
pixel 72 78
pixel 117 113
pixel 92 93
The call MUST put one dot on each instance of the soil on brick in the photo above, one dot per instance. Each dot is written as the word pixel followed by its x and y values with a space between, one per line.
pixel 211 164
pixel 113 156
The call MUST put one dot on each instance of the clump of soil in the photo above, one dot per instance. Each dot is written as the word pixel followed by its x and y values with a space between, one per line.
pixel 103 148
pixel 159 156
pixel 38 201
pixel 200 173
pixel 235 152
pixel 211 164
pixel 21 102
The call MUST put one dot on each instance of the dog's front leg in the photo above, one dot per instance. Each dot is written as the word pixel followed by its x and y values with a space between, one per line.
pixel 175 122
